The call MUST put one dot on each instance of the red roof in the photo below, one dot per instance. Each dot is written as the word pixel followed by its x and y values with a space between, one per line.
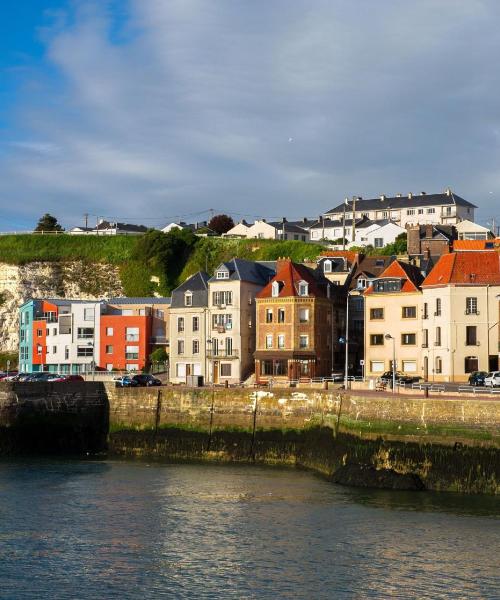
pixel 349 255
pixel 476 244
pixel 401 270
pixel 289 274
pixel 471 268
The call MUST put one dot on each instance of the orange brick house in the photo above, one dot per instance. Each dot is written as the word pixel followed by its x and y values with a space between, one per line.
pixel 297 325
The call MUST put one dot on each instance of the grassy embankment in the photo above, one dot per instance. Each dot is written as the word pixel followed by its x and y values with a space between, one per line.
pixel 136 273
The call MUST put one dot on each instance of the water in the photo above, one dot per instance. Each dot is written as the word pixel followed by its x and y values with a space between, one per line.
pixel 75 529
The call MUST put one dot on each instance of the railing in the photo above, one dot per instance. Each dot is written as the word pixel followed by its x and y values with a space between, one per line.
pixel 158 339
pixel 223 354
pixel 474 389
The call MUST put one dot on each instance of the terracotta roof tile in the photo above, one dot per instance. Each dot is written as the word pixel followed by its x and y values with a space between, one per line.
pixel 476 244
pixel 290 273
pixel 471 268
pixel 401 270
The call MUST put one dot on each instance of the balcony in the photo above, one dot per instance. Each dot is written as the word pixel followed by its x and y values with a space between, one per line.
pixel 159 340
pixel 222 353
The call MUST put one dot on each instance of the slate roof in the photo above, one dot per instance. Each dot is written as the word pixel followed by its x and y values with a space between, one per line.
pixel 396 202
pixel 139 300
pixel 466 268
pixel 198 285
pixel 330 223
pixel 371 266
pixel 103 225
pixel 289 274
pixel 401 270
pixel 289 227
pixel 246 270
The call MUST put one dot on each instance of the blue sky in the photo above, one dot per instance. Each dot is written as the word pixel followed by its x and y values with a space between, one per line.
pixel 153 110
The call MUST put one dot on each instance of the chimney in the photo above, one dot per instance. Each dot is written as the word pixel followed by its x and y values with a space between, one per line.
pixel 448 191
pixel 428 230
pixel 427 254
pixel 410 196
pixel 383 197
pixel 263 220
pixel 304 219
pixel 281 262
pixel 283 220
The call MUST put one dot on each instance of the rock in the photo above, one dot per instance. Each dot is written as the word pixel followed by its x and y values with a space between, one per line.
pixel 368 476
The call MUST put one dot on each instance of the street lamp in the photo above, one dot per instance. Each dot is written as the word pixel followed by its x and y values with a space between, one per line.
pixel 388 336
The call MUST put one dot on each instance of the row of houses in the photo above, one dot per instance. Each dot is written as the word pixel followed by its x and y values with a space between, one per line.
pixel 436 313
pixel 356 222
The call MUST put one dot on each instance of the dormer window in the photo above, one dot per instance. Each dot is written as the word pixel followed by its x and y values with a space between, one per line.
pixel 303 288
pixel 275 291
pixel 222 275
pixel 327 266
pixel 361 283
pixel 188 299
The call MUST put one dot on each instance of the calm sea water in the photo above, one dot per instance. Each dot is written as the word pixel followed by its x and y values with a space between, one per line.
pixel 75 529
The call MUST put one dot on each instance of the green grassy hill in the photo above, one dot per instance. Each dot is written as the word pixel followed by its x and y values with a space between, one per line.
pixel 138 262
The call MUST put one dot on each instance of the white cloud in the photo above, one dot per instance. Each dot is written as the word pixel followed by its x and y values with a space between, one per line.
pixel 191 104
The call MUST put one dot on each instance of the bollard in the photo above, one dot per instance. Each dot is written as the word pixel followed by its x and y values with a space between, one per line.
pixel 226 383
pixel 325 385
pixel 426 392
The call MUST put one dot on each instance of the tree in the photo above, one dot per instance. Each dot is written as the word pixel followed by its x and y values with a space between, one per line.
pixel 221 223
pixel 158 356
pixel 48 223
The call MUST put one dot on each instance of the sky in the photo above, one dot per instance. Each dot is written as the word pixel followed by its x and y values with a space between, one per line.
pixel 150 111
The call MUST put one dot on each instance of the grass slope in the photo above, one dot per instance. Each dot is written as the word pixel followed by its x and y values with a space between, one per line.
pixel 136 274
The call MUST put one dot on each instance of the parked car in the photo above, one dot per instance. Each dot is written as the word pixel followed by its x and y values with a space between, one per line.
pixel 146 380
pixel 41 376
pixel 9 374
pixel 477 378
pixel 492 379
pixel 70 378
pixel 125 381
pixel 400 377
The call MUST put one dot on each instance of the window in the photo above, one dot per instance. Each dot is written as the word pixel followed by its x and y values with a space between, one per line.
pixel 471 335
pixel 304 315
pixel 84 351
pixel 471 364
pixel 409 366
pixel 196 347
pixel 142 312
pixel 410 211
pixel 303 288
pixel 109 366
pixel 229 346
pixel 438 307
pixel 437 341
pixel 408 339
pixel 471 306
pixel 180 370
pixel 225 369
pixel 222 275
pixel 127 312
pixel 222 321
pixel 54 331
pixel 425 338
pixel 180 324
pixel 88 314
pixel 303 341
pixel 109 331
pixel 439 365
pixel 425 314
pixel 377 339
pixel 420 211
pixel 273 367
pixel 66 353
pixel 327 266
pixel 377 366
pixel 269 341
pixel 132 367
pixel 409 312
pixel 109 349
pixel 196 323
pixel 431 211
pixel 376 313
pixel 222 298
pixel 269 315
pixel 275 289
pixel 378 242
pixel 188 299
pixel 361 283
pixel 180 346
pixel 39 332
pixel 85 333
pixel 132 334
pixel 281 341
pixel 131 352
pixel 54 349
pixel 281 315
pixel 387 285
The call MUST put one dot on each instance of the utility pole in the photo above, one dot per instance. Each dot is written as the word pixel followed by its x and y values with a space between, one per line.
pixel 343 224
pixel 86 215
pixel 353 219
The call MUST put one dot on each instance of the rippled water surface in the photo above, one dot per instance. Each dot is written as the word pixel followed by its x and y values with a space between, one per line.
pixel 71 529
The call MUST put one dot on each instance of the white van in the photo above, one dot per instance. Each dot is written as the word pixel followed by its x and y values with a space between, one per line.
pixel 492 379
